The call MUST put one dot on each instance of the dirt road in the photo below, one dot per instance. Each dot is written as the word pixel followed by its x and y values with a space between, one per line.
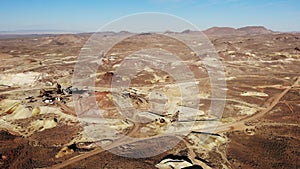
pixel 222 128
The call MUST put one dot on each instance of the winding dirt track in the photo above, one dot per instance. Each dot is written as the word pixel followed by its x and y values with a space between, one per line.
pixel 221 128
pixel 274 101
pixel 117 143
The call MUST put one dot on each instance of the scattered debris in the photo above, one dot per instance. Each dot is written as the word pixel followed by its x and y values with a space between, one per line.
pixel 59 94
pixel 31 99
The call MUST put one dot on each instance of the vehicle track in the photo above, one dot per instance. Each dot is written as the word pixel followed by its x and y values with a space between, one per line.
pixel 222 128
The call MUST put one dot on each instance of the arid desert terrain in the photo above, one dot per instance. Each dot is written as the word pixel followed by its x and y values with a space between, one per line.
pixel 44 117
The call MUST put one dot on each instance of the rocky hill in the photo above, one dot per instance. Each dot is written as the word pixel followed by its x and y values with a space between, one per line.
pixel 228 31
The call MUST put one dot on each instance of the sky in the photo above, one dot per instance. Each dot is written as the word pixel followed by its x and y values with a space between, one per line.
pixel 90 15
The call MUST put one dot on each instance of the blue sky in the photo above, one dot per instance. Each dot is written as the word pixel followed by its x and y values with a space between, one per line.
pixel 89 15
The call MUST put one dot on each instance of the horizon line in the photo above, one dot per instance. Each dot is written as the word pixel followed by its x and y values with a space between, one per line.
pixel 62 31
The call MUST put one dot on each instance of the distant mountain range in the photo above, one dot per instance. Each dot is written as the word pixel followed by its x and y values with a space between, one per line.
pixel 214 31
pixel 248 30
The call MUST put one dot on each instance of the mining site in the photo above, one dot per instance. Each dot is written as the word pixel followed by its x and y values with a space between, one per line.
pixel 47 122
